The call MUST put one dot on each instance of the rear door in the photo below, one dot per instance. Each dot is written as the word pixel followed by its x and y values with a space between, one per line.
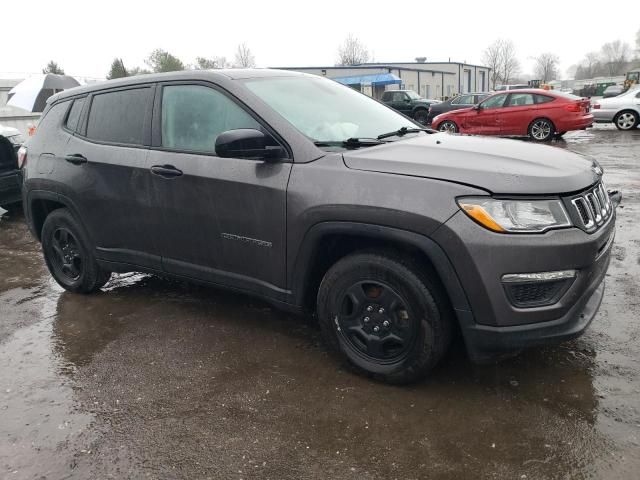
pixel 516 115
pixel 224 219
pixel 108 177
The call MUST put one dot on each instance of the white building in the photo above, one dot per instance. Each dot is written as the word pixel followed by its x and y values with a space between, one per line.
pixel 430 79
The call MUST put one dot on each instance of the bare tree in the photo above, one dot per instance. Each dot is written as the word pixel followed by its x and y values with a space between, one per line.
pixel 615 56
pixel 546 67
pixel 500 56
pixel 244 57
pixel 203 63
pixel 510 64
pixel 492 59
pixel 352 52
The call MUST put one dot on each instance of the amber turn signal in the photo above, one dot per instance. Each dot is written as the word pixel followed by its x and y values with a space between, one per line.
pixel 481 216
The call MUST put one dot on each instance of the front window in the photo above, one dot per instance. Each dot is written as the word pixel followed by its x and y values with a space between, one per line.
pixel 326 111
pixel 494 102
pixel 412 95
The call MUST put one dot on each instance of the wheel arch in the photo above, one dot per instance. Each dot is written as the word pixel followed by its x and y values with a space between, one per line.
pixel 40 204
pixel 327 242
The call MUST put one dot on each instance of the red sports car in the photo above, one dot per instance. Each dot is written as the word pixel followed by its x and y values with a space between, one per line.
pixel 539 114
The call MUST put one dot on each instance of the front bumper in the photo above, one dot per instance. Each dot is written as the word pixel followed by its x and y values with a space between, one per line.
pixel 481 258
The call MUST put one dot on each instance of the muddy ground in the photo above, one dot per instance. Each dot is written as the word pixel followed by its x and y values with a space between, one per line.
pixel 158 379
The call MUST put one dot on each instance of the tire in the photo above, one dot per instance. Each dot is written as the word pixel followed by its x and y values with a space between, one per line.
pixel 626 120
pixel 448 126
pixel 421 116
pixel 541 130
pixel 386 318
pixel 68 254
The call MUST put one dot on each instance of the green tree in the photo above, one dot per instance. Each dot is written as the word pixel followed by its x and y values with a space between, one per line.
pixel 203 63
pixel 53 67
pixel 162 61
pixel 137 71
pixel 117 69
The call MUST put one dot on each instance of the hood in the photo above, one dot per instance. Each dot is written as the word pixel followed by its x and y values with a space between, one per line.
pixel 458 111
pixel 499 166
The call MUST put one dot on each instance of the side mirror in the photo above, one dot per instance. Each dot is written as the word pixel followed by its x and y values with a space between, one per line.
pixel 248 143
pixel 407 100
pixel 477 107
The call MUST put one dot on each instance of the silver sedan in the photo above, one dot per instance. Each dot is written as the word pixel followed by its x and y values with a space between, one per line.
pixel 623 110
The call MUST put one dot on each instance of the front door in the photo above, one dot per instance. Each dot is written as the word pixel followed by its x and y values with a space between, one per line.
pixel 484 120
pixel 224 218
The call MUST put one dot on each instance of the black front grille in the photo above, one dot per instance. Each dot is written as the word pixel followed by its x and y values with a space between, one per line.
pixel 593 207
pixel 536 294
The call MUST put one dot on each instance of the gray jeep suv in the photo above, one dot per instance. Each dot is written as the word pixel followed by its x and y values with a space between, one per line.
pixel 317 198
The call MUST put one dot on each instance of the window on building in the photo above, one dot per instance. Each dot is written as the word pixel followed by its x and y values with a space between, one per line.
pixel 193 116
pixel 118 117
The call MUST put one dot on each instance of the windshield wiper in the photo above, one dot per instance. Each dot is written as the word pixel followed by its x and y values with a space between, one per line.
pixel 404 130
pixel 352 142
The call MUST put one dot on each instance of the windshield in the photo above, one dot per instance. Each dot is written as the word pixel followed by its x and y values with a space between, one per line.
pixel 413 95
pixel 326 111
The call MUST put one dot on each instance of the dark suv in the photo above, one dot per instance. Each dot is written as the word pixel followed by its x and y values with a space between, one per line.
pixel 317 198
pixel 409 103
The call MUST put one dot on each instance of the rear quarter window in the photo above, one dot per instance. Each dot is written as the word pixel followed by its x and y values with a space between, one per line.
pixel 74 114
pixel 119 117
pixel 54 116
pixel 544 98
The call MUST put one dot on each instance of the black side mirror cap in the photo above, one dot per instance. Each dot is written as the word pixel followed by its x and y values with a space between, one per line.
pixel 248 143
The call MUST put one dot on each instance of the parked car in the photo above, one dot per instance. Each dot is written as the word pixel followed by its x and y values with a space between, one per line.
pixel 612 91
pixel 539 114
pixel 461 101
pixel 409 103
pixel 517 86
pixel 306 193
pixel 10 142
pixel 623 110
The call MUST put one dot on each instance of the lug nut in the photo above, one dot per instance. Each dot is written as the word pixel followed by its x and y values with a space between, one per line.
pixel 381 311
pixel 366 319
pixel 369 308
pixel 376 328
pixel 386 323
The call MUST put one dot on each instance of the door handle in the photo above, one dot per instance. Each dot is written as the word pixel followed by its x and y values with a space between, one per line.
pixel 166 171
pixel 76 158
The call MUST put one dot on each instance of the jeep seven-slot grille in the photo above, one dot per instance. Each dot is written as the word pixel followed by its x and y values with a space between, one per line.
pixel 594 207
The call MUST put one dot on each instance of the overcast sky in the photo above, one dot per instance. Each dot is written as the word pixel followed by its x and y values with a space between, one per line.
pixel 84 39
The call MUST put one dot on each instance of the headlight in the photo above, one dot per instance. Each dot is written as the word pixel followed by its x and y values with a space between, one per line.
pixel 509 216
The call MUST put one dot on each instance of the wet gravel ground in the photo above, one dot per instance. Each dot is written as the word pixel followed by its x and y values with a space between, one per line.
pixel 158 379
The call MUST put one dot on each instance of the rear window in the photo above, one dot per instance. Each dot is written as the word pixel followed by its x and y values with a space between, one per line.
pixel 74 114
pixel 118 117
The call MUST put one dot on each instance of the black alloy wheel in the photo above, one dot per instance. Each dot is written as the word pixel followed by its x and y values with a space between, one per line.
pixel 374 321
